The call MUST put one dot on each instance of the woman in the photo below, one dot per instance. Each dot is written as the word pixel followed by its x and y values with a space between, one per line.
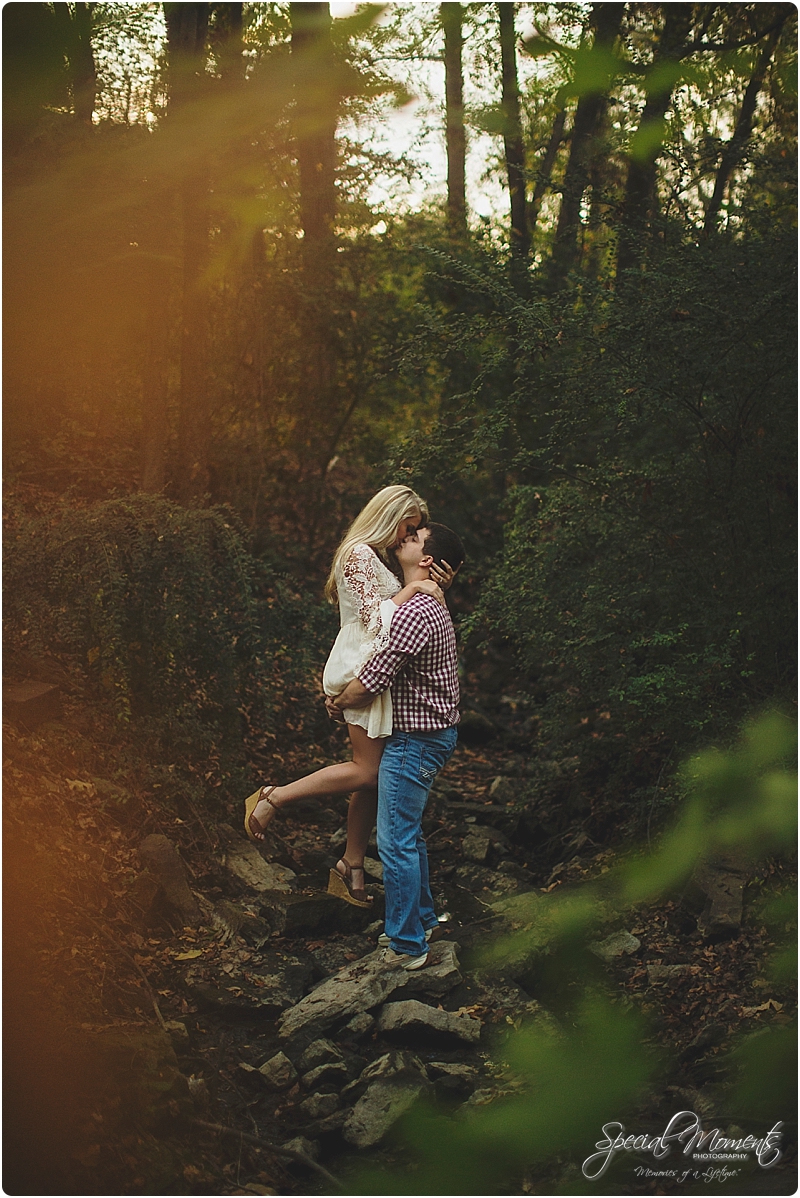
pixel 368 592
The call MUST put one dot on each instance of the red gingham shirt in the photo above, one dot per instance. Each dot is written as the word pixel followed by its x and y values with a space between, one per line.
pixel 420 665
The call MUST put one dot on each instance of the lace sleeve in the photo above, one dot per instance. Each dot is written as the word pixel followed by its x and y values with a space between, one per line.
pixel 361 579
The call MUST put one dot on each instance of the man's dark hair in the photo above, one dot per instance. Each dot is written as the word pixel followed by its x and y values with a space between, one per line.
pixel 442 543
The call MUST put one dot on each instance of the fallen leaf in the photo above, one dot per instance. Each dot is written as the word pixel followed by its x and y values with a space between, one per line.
pixel 770 1005
pixel 192 953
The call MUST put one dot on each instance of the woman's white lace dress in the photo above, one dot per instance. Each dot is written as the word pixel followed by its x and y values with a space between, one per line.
pixel 365 587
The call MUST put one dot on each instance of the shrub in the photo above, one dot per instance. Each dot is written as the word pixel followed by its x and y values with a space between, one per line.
pixel 170 619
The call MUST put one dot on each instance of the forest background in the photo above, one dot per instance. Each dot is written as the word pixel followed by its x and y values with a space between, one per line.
pixel 563 311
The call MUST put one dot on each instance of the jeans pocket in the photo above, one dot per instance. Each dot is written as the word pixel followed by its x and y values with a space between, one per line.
pixel 427 772
pixel 431 762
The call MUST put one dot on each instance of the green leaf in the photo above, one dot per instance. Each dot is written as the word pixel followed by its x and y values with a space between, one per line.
pixel 648 140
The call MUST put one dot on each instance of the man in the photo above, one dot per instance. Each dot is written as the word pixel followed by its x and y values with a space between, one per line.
pixel 420 666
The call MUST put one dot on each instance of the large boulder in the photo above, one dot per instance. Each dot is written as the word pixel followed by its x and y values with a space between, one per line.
pixel 278 1072
pixel 367 984
pixel 715 893
pixel 245 861
pixel 415 1022
pixel 162 861
pixel 382 1104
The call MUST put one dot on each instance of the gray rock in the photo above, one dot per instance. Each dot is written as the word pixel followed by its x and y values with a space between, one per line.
pixel 374 868
pixel 503 790
pixel 441 975
pixel 485 843
pixel 379 1108
pixel 481 1098
pixel 453 1081
pixel 477 845
pixel 414 1021
pixel 244 859
pixel 366 984
pixel 321 1052
pixel 331 1123
pixel 452 1069
pixel 161 859
pixel 618 945
pixel 716 890
pixel 318 1106
pixel 309 1148
pixel 278 1072
pixel 332 1072
pixel 387 1065
pixel 359 1026
pixel 667 973
pixel 391 1063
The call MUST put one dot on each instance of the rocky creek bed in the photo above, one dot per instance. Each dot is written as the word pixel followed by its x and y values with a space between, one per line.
pixel 192 1013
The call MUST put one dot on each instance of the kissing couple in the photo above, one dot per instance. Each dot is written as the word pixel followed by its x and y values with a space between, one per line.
pixel 392 678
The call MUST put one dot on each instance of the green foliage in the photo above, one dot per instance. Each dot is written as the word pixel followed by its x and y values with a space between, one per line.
pixel 646 442
pixel 596 1067
pixel 162 609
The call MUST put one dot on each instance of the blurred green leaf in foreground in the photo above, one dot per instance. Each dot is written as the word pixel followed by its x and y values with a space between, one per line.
pixel 596 1067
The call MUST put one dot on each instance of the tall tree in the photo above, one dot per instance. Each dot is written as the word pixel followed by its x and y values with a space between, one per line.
pixel 512 137
pixel 544 170
pixel 640 186
pixel 733 151
pixel 75 22
pixel 316 89
pixel 316 116
pixel 187 29
pixel 604 26
pixel 454 117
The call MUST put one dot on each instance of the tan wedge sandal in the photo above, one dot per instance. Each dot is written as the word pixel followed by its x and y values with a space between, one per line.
pixel 340 884
pixel 250 805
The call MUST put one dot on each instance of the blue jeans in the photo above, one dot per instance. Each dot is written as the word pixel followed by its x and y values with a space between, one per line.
pixel 410 762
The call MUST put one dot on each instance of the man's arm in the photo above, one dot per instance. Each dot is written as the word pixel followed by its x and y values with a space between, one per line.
pixel 355 694
pixel 408 632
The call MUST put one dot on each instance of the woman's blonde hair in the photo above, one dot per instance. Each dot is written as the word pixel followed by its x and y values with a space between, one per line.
pixel 376 526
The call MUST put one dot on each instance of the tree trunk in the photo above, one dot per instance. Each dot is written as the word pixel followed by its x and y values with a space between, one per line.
pixel 454 118
pixel 81 62
pixel 735 147
pixel 641 182
pixel 227 42
pixel 75 25
pixel 187 27
pixel 545 170
pixel 605 23
pixel 512 138
pixel 316 114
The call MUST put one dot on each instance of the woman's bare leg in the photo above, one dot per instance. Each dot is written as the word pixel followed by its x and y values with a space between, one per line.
pixel 359 774
pixel 361 814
